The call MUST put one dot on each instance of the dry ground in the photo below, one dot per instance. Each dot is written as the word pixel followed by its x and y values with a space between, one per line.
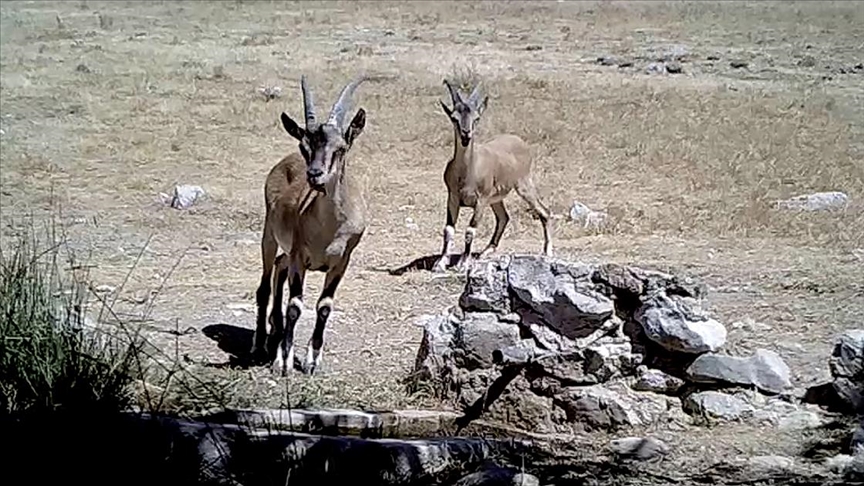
pixel 98 117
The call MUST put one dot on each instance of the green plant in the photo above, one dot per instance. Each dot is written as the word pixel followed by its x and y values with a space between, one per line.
pixel 51 359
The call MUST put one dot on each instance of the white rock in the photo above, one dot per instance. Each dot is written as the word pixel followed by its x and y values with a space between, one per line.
pixel 771 463
pixel 184 196
pixel 588 216
pixel 819 201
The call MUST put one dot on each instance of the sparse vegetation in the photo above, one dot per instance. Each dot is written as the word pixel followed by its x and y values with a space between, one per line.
pixel 51 359
pixel 687 166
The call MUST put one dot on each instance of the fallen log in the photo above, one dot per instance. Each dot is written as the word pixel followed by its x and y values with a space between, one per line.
pixel 345 422
pixel 167 450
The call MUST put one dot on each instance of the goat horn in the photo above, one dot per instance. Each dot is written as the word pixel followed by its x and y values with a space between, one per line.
pixel 455 96
pixel 337 113
pixel 308 103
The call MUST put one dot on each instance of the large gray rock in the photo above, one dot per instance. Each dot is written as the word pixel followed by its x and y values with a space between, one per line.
pixel 468 342
pixel 847 368
pixel 714 405
pixel 561 295
pixel 613 406
pixel 678 324
pixel 435 356
pixel 486 287
pixel 478 335
pixel 764 370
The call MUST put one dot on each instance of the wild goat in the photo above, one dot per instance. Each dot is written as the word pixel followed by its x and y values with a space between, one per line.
pixel 484 174
pixel 315 213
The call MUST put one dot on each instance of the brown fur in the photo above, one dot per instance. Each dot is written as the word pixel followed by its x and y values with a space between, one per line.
pixel 484 174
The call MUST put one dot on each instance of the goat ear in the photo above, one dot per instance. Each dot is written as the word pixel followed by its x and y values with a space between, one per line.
pixel 446 108
pixel 358 123
pixel 482 106
pixel 292 128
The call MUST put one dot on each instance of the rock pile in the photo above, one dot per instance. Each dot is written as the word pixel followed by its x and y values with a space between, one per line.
pixel 551 345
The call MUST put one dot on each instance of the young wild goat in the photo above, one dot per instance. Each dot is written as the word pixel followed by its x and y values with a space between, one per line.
pixel 315 213
pixel 484 174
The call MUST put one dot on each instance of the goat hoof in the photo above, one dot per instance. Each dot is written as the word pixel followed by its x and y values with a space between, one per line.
pixel 440 266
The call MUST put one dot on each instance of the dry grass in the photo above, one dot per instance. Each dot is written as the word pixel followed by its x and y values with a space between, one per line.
pixel 687 166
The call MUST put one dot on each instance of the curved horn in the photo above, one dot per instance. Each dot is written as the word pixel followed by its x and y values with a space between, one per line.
pixel 455 96
pixel 475 95
pixel 337 113
pixel 308 103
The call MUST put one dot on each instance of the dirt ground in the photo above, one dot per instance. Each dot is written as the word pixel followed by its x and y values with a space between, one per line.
pixel 105 105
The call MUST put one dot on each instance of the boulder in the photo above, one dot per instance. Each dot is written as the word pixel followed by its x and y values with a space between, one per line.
pixel 847 368
pixel 714 405
pixel 434 359
pixel 764 370
pixel 614 406
pixel 477 335
pixel 677 324
pixel 560 295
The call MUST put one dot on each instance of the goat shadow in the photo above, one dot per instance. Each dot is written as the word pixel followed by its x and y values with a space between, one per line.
pixel 424 263
pixel 237 342
pixel 234 340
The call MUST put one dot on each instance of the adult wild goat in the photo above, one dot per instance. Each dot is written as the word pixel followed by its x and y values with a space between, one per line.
pixel 484 174
pixel 316 214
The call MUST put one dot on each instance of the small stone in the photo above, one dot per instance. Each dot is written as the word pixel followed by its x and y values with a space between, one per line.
pixel 819 201
pixel 738 64
pixel 713 57
pixel 656 68
pixel 184 196
pixel 674 67
pixel 498 476
pixel 676 53
pixel 750 325
pixel 658 382
pixel 838 463
pixel 771 463
pixel 641 448
pixel 717 405
pixel 82 68
pixel 104 289
pixel 765 370
pixel 858 437
pixel 855 470
pixel 802 419
pixel 807 61
pixel 607 60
